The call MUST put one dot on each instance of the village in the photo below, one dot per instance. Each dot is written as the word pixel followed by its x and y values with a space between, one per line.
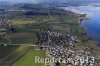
pixel 47 33
pixel 63 46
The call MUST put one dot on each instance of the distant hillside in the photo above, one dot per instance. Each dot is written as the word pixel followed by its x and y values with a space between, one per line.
pixel 40 10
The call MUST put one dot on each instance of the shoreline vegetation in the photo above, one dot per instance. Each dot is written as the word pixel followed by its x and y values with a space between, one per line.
pixel 25 26
pixel 88 42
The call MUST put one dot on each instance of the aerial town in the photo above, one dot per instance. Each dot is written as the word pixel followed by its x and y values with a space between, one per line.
pixel 30 30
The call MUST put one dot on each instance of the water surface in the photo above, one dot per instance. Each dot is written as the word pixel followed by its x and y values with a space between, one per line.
pixel 91 26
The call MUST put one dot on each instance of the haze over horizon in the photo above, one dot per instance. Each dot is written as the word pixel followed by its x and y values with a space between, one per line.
pixel 38 1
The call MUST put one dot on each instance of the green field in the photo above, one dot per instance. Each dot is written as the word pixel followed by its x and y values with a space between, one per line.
pixel 25 34
pixel 23 38
pixel 4 51
pixel 25 27
pixel 24 20
pixel 11 53
pixel 29 58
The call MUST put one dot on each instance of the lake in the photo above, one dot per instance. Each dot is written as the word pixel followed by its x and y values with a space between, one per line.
pixel 91 26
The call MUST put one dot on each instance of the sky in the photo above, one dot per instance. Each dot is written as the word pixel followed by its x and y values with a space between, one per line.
pixel 23 1
pixel 36 1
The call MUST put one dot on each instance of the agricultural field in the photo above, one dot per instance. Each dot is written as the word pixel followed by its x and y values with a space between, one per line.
pixel 11 53
pixel 22 38
pixel 55 24
pixel 4 51
pixel 46 30
pixel 25 35
pixel 26 27
pixel 29 58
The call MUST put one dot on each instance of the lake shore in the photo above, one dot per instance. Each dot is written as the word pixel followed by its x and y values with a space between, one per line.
pixel 86 40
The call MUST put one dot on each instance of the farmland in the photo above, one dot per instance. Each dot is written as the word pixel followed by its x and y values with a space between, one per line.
pixel 17 47
pixel 29 58
pixel 25 35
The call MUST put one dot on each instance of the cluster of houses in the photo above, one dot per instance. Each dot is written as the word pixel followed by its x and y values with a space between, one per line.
pixel 2 22
pixel 2 28
pixel 5 26
pixel 58 39
pixel 61 46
